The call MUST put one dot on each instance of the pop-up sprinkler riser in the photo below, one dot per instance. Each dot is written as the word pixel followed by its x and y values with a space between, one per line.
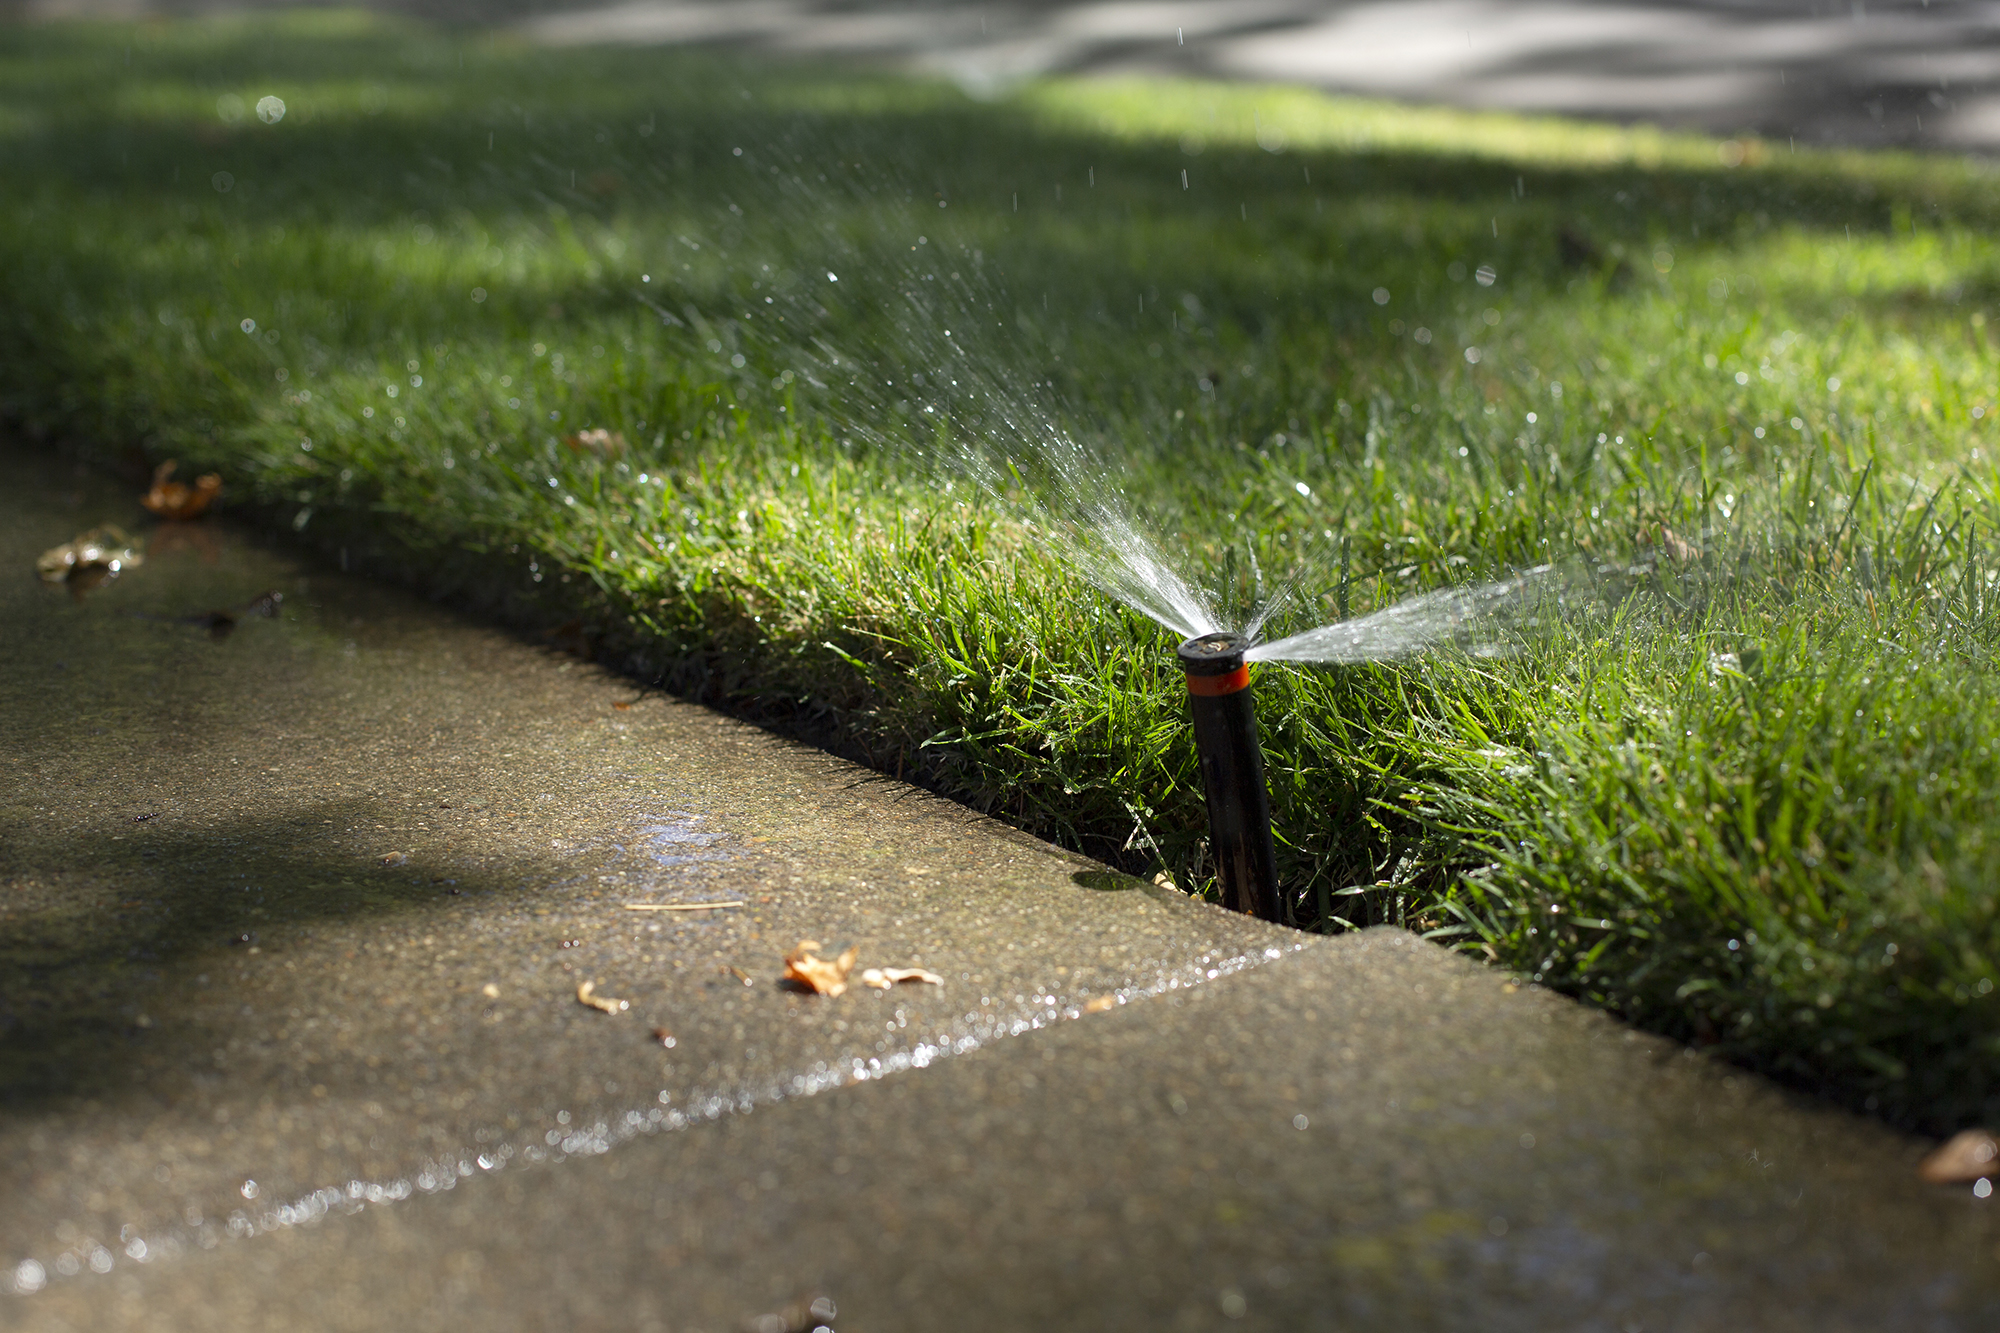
pixel 1232 772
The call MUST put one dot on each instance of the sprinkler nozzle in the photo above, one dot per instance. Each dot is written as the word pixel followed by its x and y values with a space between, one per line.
pixel 1232 772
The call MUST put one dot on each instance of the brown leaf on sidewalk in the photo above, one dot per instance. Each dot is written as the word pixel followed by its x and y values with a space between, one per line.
pixel 585 995
pixel 882 978
pixel 98 555
pixel 177 499
pixel 823 977
pixel 1969 1155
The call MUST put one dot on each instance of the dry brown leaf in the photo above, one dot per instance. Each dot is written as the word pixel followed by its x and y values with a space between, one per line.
pixel 1669 543
pixel 1100 1004
pixel 585 995
pixel 603 443
pixel 816 974
pixel 101 552
pixel 882 978
pixel 177 499
pixel 1969 1155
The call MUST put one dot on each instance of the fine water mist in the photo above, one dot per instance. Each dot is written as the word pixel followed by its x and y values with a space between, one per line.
pixel 967 387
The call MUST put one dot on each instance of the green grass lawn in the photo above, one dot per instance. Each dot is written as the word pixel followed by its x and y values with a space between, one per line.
pixel 1742 790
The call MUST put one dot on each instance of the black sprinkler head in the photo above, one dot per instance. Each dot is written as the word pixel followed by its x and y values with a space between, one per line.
pixel 1218 654
pixel 1232 772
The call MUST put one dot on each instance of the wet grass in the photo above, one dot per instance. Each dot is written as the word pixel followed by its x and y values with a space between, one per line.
pixel 1742 790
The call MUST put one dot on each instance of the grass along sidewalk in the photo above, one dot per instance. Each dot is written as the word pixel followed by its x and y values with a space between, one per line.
pixel 1753 804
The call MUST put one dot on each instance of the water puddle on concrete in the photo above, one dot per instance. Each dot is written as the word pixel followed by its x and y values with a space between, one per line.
pixel 295 914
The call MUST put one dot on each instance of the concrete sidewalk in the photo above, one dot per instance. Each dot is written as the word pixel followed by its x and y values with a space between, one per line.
pixel 295 919
pixel 1363 1135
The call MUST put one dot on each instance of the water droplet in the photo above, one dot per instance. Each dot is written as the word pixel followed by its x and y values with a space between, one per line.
pixel 248 326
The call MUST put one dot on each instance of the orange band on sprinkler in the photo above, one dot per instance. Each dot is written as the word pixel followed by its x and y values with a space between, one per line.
pixel 1210 686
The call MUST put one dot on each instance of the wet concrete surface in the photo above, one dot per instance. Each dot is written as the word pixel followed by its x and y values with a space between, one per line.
pixel 310 903
pixel 1369 1134
pixel 252 1074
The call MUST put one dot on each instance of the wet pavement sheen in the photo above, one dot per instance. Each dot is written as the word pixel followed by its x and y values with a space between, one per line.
pixel 211 977
pixel 292 923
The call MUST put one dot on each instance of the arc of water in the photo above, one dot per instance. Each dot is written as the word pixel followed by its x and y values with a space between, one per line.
pixel 1407 627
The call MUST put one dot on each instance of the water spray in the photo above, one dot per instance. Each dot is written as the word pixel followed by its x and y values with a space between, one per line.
pixel 1232 772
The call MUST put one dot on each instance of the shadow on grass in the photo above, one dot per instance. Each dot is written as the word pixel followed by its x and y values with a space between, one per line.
pixel 397 127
